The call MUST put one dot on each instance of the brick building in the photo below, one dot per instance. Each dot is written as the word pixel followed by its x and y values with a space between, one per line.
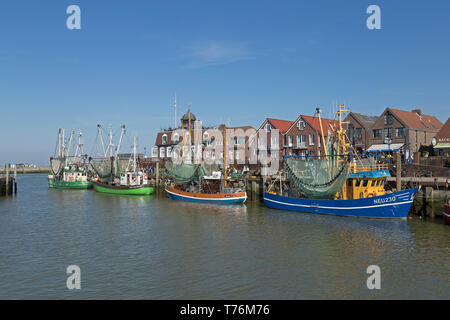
pixel 409 129
pixel 304 136
pixel 441 142
pixel 271 142
pixel 359 130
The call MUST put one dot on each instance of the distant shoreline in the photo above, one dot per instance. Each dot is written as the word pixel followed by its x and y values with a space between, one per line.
pixel 38 169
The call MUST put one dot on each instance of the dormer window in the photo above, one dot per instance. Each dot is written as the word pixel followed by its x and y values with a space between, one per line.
pixel 301 125
pixel 388 118
pixel 175 137
pixel 164 139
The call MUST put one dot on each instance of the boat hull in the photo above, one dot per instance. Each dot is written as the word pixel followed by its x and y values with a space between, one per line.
pixel 223 198
pixel 127 190
pixel 446 214
pixel 390 206
pixel 52 183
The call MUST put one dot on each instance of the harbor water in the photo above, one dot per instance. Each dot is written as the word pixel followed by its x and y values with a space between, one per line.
pixel 130 247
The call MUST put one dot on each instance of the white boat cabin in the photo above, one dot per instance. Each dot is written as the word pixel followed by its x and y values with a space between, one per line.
pixel 75 176
pixel 133 178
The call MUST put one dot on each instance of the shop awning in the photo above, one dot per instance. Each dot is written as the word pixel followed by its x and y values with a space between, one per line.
pixel 385 147
pixel 442 146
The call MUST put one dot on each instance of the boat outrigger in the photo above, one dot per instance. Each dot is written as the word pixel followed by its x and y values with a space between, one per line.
pixel 340 184
pixel 200 182
pixel 69 172
pixel 114 176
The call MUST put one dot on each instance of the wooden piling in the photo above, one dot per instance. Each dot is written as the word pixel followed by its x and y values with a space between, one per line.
pixel 157 174
pixel 15 178
pixel 399 172
pixel 7 179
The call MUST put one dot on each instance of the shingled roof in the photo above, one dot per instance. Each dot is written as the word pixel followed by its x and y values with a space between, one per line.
pixel 365 120
pixel 326 123
pixel 282 125
pixel 415 120
pixel 443 136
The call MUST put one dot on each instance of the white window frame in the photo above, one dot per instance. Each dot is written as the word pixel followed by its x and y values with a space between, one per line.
pixel 312 141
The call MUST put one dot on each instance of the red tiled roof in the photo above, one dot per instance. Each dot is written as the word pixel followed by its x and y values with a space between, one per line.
pixel 416 121
pixel 444 134
pixel 282 125
pixel 314 122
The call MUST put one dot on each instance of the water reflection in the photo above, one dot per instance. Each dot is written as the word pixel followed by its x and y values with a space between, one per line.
pixel 153 247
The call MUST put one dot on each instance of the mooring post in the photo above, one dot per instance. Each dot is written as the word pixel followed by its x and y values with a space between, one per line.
pixel 157 174
pixel 15 178
pixel 7 179
pixel 398 177
pixel 424 202
pixel 432 202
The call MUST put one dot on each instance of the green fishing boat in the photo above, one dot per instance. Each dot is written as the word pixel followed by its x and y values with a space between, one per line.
pixel 131 190
pixel 69 172
pixel 120 176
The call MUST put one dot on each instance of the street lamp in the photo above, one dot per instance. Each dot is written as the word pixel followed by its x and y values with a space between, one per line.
pixel 388 141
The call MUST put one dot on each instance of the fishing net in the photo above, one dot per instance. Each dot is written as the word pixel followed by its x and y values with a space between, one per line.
pixel 102 167
pixel 318 178
pixel 184 172
pixel 56 164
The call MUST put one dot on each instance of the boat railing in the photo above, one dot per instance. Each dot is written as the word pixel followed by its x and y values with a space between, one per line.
pixel 364 168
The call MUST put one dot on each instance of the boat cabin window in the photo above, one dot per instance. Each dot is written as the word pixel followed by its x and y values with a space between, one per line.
pixel 364 183
pixel 357 183
pixel 350 182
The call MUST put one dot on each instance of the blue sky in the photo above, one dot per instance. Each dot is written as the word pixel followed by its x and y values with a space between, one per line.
pixel 237 62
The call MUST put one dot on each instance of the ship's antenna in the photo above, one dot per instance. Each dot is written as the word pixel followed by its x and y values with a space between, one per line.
pixel 175 108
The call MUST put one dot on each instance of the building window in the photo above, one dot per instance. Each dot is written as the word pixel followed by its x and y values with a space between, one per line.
pixel 155 152
pixel 175 137
pixel 377 133
pixel 164 139
pixel 268 127
pixel 301 141
pixel 169 152
pixel 161 152
pixel 358 133
pixel 388 133
pixel 274 142
pixel 388 118
pixel 311 139
pixel 301 125
pixel 291 141
pixel 206 136
pixel 400 132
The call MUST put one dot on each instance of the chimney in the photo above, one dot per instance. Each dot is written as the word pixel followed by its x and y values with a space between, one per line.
pixel 418 111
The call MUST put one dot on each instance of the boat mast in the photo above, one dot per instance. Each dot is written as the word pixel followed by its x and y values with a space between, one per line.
pixel 342 146
pixel 110 147
pixel 59 144
pixel 70 143
pixel 190 140
pixel 225 154
pixel 101 139
pixel 318 112
pixel 80 145
pixel 63 146
pixel 120 140
pixel 134 155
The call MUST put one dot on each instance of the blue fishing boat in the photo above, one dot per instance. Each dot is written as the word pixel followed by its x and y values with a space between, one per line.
pixel 388 206
pixel 340 184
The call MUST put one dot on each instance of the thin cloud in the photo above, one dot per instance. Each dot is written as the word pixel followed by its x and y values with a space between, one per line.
pixel 215 53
